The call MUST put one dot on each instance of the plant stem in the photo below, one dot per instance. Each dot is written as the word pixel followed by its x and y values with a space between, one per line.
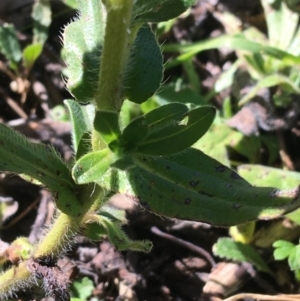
pixel 66 227
pixel 117 42
pixel 14 279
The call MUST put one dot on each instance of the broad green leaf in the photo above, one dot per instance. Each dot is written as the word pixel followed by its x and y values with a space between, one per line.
pixel 40 162
pixel 82 288
pixel 293 260
pixel 283 249
pixel 159 10
pixel 229 249
pixel 107 124
pixel 269 176
pixel 9 44
pixel 144 72
pixel 174 138
pixel 82 122
pixel 82 50
pixel 92 166
pixel 42 17
pixel 190 185
pixel 30 54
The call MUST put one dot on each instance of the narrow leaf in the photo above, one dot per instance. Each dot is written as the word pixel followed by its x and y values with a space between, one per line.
pixel 40 162
pixel 119 239
pixel 30 54
pixel 174 138
pixel 82 122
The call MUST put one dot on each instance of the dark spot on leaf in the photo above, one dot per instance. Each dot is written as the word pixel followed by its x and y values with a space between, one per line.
pixel 168 167
pixel 187 201
pixel 205 193
pixel 194 183
pixel 68 205
pixel 228 185
pixel 236 206
pixel 220 168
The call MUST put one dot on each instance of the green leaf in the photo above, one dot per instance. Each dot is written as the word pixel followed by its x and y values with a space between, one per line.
pixel 82 50
pixel 283 249
pixel 119 239
pixel 72 3
pixel 237 42
pixel 229 249
pixel 9 44
pixel 107 124
pixel 293 260
pixel 94 231
pixel 281 23
pixel 174 138
pixel 135 131
pixel 40 162
pixel 159 10
pixel 269 176
pixel 42 17
pixel 168 93
pixel 82 123
pixel 153 121
pixel 92 166
pixel 144 72
pixel 82 288
pixel 190 185
pixel 30 54
pixel 267 82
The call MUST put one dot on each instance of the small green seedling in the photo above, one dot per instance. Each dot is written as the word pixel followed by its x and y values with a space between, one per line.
pixel 112 55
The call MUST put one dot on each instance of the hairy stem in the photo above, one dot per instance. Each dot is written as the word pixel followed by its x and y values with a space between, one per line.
pixel 117 42
pixel 65 227
pixel 57 240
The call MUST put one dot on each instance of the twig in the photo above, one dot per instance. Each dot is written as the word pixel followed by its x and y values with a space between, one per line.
pixel 186 244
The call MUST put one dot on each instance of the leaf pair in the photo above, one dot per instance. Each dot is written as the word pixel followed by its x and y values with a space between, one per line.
pixel 159 132
pixel 165 130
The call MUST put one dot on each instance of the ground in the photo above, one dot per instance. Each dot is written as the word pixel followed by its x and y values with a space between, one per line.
pixel 181 266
